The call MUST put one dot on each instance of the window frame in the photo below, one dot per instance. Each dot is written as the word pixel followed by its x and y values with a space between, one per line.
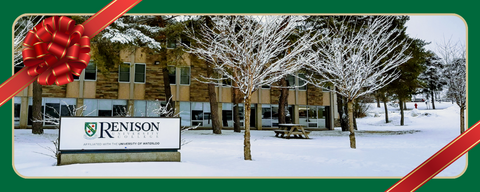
pixel 85 71
pixel 119 72
pixel 144 73
pixel 189 75
pixel 174 73
pixel 302 88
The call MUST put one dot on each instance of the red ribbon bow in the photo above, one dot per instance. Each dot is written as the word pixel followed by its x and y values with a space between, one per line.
pixel 55 49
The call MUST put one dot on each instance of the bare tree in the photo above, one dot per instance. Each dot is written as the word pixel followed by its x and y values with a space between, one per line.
pixel 22 27
pixel 247 50
pixel 358 62
pixel 454 59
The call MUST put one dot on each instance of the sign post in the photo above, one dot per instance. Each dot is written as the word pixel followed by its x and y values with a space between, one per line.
pixel 118 139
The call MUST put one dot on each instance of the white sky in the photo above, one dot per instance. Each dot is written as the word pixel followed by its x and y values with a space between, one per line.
pixel 436 29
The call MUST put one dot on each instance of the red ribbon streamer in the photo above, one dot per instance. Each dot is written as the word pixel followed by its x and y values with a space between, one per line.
pixel 56 49
pixel 439 161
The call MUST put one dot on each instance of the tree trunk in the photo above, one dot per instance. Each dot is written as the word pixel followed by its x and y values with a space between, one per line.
pixel 343 118
pixel 377 97
pixel 212 96
pixel 405 104
pixel 283 101
pixel 246 149
pixel 402 117
pixel 166 80
pixel 433 100
pixel 236 111
pixel 462 120
pixel 386 110
pixel 353 144
pixel 37 109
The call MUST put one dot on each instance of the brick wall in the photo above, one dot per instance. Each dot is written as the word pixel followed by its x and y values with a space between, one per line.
pixel 198 90
pixel 154 88
pixel 54 91
pixel 314 95
pixel 107 84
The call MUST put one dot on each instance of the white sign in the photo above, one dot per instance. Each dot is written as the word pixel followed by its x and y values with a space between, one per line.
pixel 114 133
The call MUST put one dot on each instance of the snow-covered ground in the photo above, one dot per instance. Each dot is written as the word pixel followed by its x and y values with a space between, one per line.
pixel 382 150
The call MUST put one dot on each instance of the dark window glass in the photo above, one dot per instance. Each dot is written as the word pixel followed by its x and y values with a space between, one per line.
pixel 185 76
pixel 104 113
pixel 124 74
pixel 67 111
pixel 16 112
pixel 18 67
pixel 119 110
pixel 226 81
pixel 171 43
pixel 301 82
pixel 291 81
pixel 185 42
pixel 52 110
pixel 197 115
pixel 91 72
pixel 140 73
pixel 172 75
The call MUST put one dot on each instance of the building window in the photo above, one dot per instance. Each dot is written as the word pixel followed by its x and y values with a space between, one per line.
pixel 184 75
pixel 148 108
pixel 53 108
pixel 140 71
pixel 291 81
pixel 120 108
pixel 267 115
pixel 171 43
pixel 301 82
pixel 185 113
pixel 105 107
pixel 201 114
pixel 265 86
pixel 90 72
pixel 16 112
pixel 185 41
pixel 18 67
pixel 226 81
pixel 312 116
pixel 227 115
pixel 124 73
pixel 171 75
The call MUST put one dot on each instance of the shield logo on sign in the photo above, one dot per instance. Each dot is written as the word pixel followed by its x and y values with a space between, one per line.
pixel 90 128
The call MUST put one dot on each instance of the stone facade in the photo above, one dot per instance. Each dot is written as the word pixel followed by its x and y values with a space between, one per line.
pixel 154 88
pixel 198 90
pixel 54 91
pixel 275 94
pixel 107 84
pixel 314 95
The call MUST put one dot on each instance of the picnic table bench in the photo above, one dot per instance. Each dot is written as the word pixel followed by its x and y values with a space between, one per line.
pixel 287 130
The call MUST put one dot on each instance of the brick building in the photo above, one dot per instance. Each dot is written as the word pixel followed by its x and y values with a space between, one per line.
pixel 136 88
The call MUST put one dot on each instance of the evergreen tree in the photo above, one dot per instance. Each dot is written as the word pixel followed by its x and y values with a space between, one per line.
pixel 433 78
pixel 406 85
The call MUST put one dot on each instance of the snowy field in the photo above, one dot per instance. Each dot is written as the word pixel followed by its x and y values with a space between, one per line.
pixel 382 150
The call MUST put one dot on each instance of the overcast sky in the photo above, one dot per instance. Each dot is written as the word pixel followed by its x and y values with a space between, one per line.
pixel 435 29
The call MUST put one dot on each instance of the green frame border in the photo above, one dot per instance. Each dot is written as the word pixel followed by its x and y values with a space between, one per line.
pixel 14 9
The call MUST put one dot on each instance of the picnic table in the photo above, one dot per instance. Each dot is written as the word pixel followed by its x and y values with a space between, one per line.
pixel 287 130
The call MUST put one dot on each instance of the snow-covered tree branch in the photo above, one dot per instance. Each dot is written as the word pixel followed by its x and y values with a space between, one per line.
pixel 251 51
pixel 455 59
pixel 22 26
pixel 358 62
